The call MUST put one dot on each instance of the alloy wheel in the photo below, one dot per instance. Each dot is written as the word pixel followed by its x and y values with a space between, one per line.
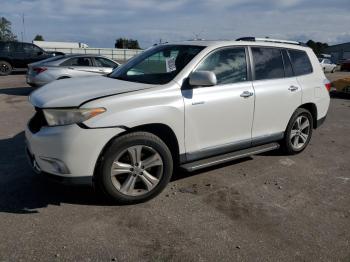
pixel 4 68
pixel 137 170
pixel 300 132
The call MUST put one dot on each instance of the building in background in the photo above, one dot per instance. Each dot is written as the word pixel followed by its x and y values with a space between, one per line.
pixel 49 44
pixel 339 52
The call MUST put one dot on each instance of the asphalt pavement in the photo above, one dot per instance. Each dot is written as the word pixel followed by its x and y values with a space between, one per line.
pixel 269 207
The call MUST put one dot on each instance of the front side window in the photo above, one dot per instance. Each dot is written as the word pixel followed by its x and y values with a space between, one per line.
pixel 158 65
pixel 103 62
pixel 229 65
pixel 300 61
pixel 268 63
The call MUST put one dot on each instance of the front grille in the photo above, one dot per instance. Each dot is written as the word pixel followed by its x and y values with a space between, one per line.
pixel 37 121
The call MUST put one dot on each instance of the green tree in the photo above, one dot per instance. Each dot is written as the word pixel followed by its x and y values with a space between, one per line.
pixel 5 30
pixel 38 38
pixel 317 47
pixel 126 43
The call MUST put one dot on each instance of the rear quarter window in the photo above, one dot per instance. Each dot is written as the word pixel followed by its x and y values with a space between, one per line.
pixel 300 62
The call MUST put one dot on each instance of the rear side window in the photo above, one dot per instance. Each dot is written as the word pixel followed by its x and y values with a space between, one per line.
pixel 300 61
pixel 78 61
pixel 228 64
pixel 268 63
pixel 5 47
pixel 288 70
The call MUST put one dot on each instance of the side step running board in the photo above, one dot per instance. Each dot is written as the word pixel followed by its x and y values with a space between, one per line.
pixel 193 166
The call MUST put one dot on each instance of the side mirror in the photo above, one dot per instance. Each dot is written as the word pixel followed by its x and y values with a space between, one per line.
pixel 40 53
pixel 202 78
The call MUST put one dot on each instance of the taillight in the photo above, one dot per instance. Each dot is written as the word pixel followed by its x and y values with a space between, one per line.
pixel 39 70
pixel 328 85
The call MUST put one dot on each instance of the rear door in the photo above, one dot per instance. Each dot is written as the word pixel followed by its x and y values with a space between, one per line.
pixel 277 93
pixel 20 58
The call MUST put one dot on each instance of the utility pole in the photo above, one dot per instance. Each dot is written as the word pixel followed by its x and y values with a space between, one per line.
pixel 24 28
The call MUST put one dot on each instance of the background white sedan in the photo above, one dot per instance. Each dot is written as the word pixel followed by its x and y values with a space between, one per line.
pixel 327 65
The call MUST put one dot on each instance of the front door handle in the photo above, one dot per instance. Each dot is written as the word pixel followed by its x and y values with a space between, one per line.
pixel 247 94
pixel 293 88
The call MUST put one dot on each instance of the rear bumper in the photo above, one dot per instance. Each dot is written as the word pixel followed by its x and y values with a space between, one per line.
pixel 320 121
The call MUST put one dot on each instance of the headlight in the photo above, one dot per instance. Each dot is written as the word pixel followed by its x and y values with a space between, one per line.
pixel 59 117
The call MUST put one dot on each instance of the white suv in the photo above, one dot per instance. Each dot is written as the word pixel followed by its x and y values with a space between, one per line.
pixel 192 104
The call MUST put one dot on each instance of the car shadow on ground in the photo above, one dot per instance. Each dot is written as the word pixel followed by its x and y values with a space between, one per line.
pixel 338 95
pixel 23 192
pixel 16 91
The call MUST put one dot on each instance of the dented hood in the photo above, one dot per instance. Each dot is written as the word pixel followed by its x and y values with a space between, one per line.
pixel 75 91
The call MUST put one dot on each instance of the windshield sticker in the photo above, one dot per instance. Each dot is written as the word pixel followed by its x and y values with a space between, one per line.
pixel 170 64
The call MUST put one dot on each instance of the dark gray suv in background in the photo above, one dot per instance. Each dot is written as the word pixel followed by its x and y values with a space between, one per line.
pixel 17 55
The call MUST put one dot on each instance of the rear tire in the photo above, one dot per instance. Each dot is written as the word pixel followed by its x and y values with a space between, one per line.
pixel 298 133
pixel 135 168
pixel 5 68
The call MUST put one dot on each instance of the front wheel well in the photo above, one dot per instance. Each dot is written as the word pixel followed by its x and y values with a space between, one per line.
pixel 165 133
pixel 311 107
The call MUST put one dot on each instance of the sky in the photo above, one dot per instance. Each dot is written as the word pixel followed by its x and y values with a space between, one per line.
pixel 99 22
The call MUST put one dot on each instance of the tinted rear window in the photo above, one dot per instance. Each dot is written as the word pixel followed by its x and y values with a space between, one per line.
pixel 300 61
pixel 268 63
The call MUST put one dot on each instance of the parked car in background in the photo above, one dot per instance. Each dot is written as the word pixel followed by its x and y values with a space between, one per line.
pixel 68 66
pixel 193 104
pixel 345 65
pixel 327 65
pixel 17 55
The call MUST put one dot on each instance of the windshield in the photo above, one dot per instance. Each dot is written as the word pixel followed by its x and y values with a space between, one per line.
pixel 158 65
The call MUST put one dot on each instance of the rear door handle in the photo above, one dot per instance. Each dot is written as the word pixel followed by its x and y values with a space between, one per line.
pixel 293 88
pixel 247 94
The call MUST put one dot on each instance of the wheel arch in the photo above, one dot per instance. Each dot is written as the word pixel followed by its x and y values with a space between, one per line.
pixel 163 131
pixel 311 107
pixel 6 59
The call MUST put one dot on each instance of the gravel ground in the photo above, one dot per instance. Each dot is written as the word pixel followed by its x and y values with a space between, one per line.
pixel 269 207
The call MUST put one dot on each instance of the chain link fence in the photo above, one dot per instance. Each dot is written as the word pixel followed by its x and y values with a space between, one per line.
pixel 119 55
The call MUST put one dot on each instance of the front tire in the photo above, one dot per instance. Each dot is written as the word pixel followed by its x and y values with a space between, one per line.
pixel 135 168
pixel 298 133
pixel 5 68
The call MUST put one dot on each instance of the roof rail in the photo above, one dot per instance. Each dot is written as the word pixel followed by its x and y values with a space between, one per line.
pixel 255 39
